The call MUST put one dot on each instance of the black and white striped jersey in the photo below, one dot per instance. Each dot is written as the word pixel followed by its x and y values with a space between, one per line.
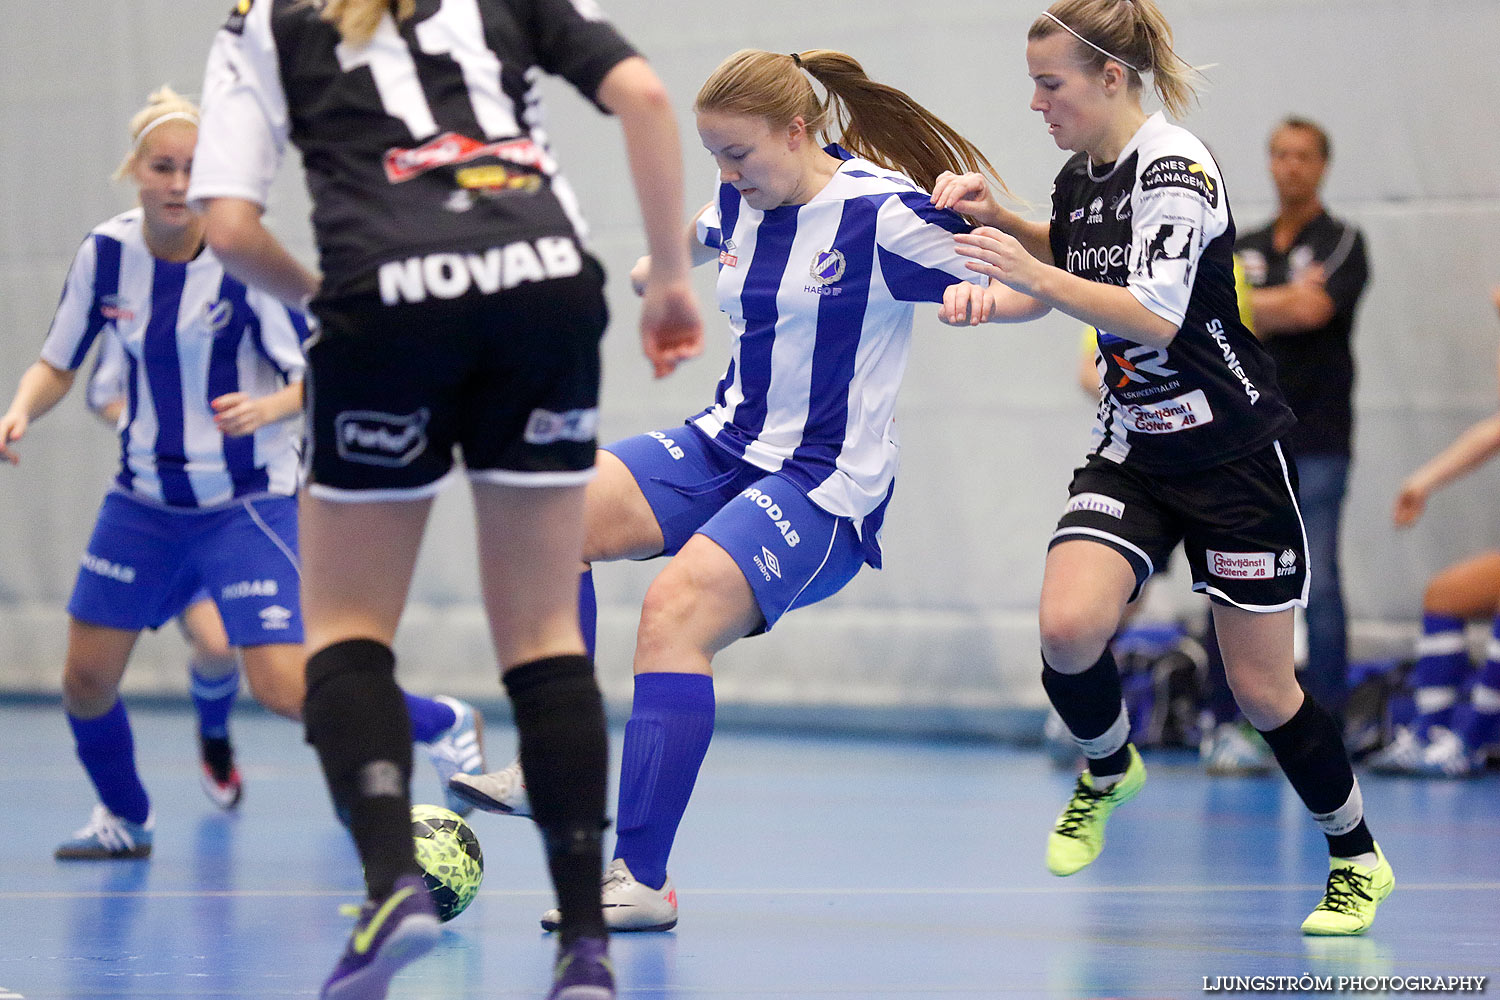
pixel 1157 222
pixel 429 139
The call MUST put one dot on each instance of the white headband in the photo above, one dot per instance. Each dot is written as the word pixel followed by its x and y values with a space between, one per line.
pixel 1111 55
pixel 183 116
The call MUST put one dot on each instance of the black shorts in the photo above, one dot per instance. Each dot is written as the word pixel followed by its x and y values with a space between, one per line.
pixel 511 379
pixel 1238 523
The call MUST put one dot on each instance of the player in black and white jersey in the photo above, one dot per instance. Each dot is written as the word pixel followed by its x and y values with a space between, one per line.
pixel 1140 246
pixel 459 310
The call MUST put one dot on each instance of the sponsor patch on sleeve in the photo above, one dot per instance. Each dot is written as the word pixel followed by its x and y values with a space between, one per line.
pixel 1179 171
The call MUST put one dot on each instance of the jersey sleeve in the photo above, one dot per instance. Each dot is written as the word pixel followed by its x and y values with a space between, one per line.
pixel 283 333
pixel 79 316
pixel 107 381
pixel 708 226
pixel 915 245
pixel 1178 208
pixel 574 40
pixel 1346 270
pixel 243 134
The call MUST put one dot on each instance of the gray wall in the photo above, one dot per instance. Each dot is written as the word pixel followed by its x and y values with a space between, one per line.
pixel 991 421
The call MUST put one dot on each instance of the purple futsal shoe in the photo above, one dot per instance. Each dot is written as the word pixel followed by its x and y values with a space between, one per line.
pixel 583 971
pixel 389 934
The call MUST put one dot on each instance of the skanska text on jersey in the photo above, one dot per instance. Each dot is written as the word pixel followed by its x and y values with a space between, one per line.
pixel 450 275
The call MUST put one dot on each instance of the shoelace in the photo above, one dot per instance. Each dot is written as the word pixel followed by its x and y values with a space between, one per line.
pixel 1080 808
pixel 1344 884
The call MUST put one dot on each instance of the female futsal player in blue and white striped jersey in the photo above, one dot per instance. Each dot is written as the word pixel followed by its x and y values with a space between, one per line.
pixel 771 498
pixel 203 498
pixel 213 667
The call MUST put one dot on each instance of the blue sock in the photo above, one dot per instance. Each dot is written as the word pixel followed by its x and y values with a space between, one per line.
pixel 214 699
pixel 588 610
pixel 1481 723
pixel 429 718
pixel 1442 661
pixel 107 751
pixel 666 740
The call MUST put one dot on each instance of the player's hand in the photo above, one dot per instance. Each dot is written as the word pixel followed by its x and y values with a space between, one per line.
pixel 1000 256
pixel 237 414
pixel 640 274
pixel 966 194
pixel 1411 501
pixel 12 428
pixel 966 304
pixel 671 328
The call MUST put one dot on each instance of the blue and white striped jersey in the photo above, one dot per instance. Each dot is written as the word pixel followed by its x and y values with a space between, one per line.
pixel 820 301
pixel 189 333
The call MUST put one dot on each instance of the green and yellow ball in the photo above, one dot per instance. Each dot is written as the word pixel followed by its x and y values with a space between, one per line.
pixel 448 852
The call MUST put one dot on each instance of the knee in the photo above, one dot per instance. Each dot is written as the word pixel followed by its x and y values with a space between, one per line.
pixel 89 690
pixel 669 606
pixel 277 678
pixel 1073 638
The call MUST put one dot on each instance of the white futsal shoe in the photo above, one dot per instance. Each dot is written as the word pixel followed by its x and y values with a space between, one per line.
pixel 629 905
pixel 502 791
pixel 458 751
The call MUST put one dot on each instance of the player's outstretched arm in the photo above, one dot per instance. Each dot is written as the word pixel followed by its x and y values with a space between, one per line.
pixel 1108 307
pixel 251 253
pixel 967 304
pixel 969 194
pixel 671 328
pixel 1470 450
pixel 40 389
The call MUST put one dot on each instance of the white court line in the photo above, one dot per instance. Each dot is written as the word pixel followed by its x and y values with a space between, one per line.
pixel 1076 890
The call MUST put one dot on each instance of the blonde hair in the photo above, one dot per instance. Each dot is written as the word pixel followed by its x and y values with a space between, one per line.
pixel 163 104
pixel 1133 32
pixel 869 119
pixel 356 20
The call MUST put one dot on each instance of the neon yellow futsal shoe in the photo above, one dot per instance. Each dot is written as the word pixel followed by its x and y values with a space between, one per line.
pixel 1353 893
pixel 1078 837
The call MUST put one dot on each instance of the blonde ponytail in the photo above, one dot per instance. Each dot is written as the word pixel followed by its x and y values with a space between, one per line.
pixel 872 120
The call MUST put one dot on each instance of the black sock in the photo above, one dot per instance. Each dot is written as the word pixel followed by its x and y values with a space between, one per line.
pixel 565 755
pixel 356 719
pixel 1311 753
pixel 1091 705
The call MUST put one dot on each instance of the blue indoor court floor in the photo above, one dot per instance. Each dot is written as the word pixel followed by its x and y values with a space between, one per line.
pixel 806 868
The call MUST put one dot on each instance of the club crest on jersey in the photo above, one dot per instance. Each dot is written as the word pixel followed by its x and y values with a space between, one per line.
pixel 827 268
pixel 1179 171
pixel 727 256
pixel 217 315
pixel 1096 211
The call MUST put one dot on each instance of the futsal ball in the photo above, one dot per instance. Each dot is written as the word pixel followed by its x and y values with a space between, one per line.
pixel 448 853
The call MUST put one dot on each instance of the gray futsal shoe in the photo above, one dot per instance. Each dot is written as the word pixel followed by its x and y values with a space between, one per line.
pixel 629 905
pixel 502 791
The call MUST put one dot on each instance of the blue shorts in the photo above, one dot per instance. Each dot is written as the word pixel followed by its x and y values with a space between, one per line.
pixel 145 564
pixel 792 552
